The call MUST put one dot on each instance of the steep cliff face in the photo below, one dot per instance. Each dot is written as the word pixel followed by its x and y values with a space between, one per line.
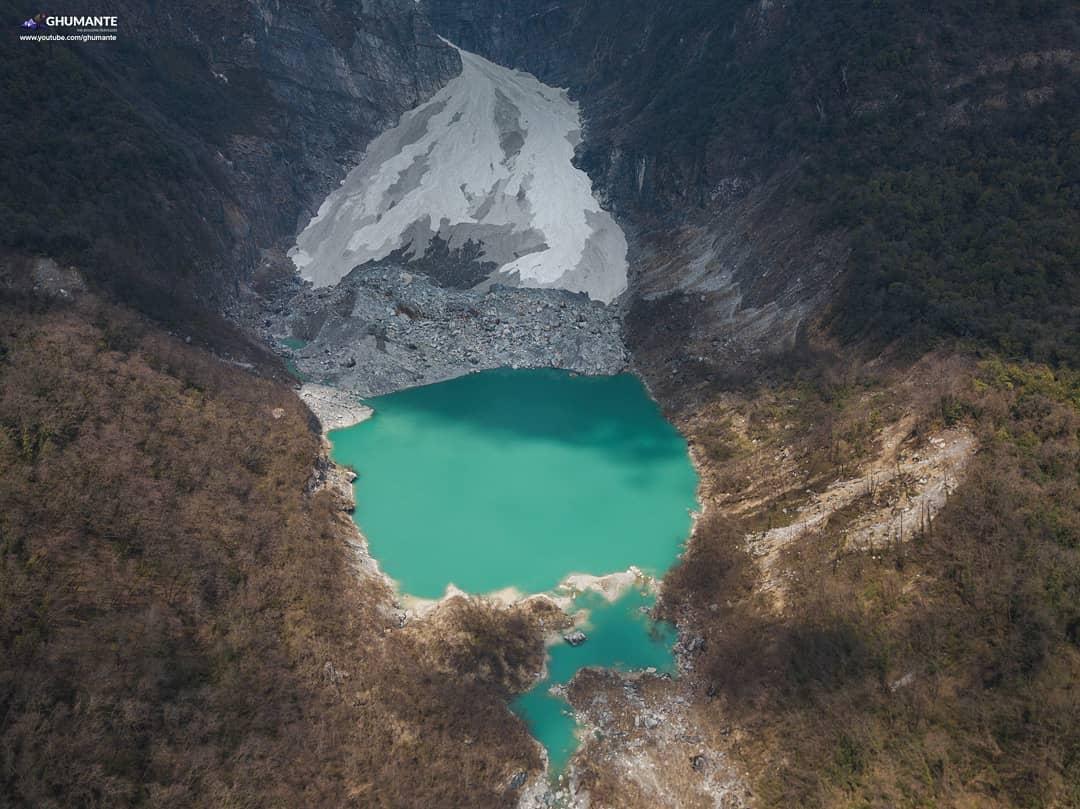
pixel 290 93
pixel 724 266
pixel 206 135
pixel 770 160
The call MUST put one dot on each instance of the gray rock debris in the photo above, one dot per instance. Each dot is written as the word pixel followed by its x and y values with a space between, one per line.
pixel 518 780
pixel 381 329
pixel 575 638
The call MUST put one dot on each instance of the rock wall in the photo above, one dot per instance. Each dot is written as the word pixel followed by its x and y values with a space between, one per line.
pixel 724 268
pixel 259 108
pixel 759 155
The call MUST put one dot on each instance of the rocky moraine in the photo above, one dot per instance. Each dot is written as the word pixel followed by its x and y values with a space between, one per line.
pixel 384 327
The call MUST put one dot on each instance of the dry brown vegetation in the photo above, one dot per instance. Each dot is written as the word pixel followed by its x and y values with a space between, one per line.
pixel 942 671
pixel 181 623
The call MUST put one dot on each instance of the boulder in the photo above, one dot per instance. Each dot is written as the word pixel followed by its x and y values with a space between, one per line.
pixel 575 638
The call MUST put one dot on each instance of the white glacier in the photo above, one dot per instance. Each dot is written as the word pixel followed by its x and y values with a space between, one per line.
pixel 487 159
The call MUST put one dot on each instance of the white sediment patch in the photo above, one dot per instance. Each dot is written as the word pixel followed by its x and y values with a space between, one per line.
pixel 488 160
pixel 334 408
pixel 611 586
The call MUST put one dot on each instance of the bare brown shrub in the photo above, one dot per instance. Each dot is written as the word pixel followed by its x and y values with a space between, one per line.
pixel 180 623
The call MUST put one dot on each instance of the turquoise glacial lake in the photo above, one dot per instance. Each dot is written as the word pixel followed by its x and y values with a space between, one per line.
pixel 517 478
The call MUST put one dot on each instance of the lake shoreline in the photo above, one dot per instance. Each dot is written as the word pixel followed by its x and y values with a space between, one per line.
pixel 607 596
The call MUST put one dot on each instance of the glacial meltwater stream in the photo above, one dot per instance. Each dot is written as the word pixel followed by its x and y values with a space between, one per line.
pixel 516 479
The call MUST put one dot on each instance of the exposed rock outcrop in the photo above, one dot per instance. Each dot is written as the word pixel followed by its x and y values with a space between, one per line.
pixel 262 108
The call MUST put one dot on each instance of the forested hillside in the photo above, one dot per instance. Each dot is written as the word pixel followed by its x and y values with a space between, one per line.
pixel 182 622
pixel 938 140
pixel 171 164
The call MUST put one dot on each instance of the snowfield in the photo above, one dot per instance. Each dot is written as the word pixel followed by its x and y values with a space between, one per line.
pixel 487 160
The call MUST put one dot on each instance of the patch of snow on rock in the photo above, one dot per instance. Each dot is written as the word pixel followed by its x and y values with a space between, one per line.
pixel 487 160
